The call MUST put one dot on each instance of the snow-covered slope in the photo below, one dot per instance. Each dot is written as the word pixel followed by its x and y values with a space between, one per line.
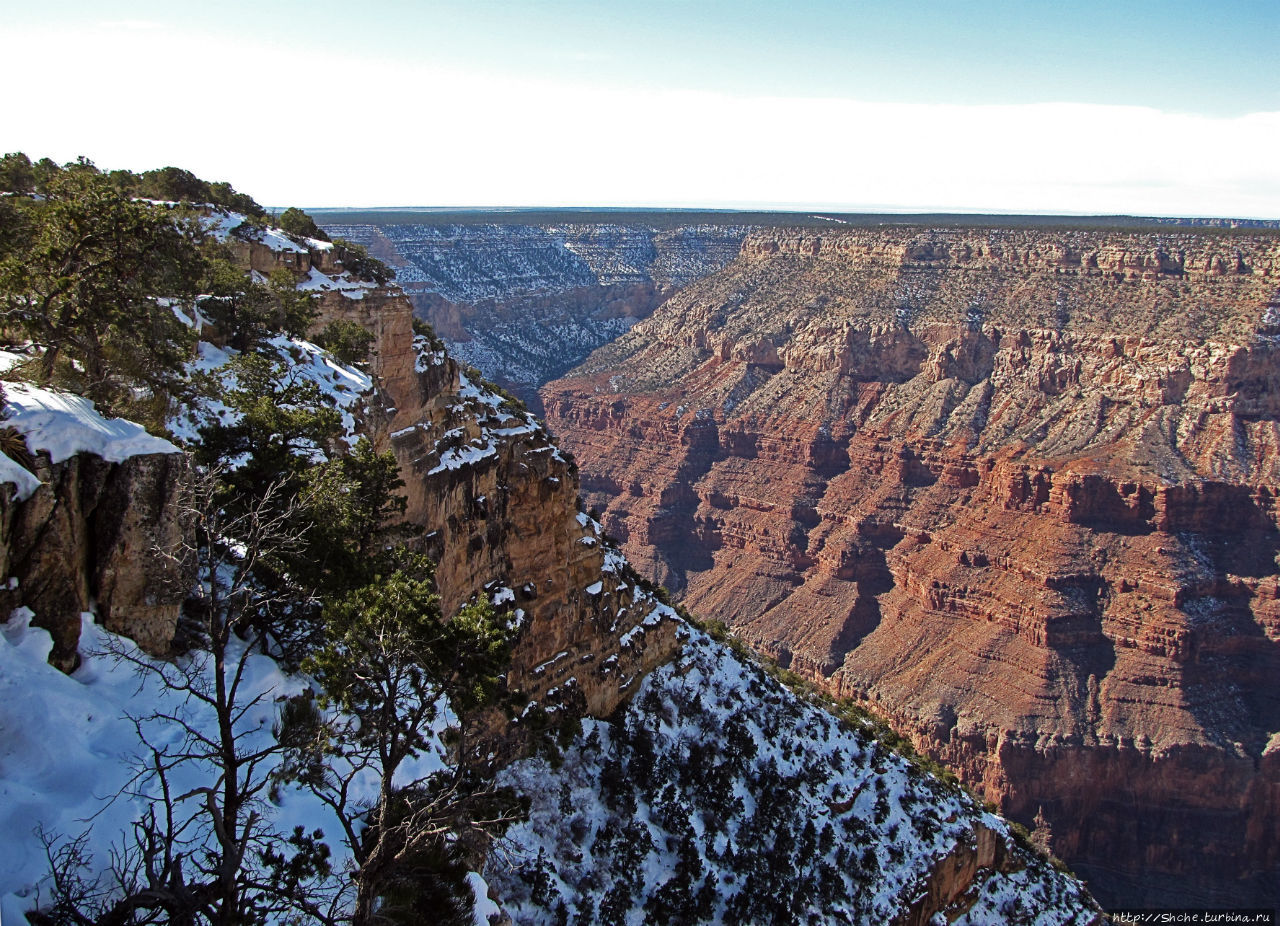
pixel 718 796
pixel 341 387
pixel 85 781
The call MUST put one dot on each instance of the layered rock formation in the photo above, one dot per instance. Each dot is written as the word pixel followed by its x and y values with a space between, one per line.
pixel 526 303
pixel 1014 489
pixel 499 505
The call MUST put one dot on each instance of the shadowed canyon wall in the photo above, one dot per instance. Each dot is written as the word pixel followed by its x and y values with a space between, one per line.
pixel 1013 489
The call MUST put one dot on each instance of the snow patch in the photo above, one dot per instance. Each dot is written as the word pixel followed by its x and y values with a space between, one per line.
pixel 25 481
pixel 64 424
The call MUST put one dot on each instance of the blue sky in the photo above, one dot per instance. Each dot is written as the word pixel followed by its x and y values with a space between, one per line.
pixel 1166 108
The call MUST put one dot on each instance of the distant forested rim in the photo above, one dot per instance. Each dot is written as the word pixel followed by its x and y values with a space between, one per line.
pixel 816 218
pixel 19 174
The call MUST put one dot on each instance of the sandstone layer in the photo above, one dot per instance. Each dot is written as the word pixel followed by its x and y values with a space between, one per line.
pixel 1013 489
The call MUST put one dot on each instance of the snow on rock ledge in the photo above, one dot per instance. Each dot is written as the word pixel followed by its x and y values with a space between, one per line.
pixel 63 424
pixel 85 525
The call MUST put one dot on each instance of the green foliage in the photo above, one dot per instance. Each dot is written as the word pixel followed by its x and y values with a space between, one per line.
pixel 88 273
pixel 285 424
pixel 348 341
pixel 659 592
pixel 297 862
pixel 387 658
pixel 295 309
pixel 173 184
pixel 423 329
pixel 343 506
pixel 351 506
pixel 510 403
pixel 429 887
pixel 389 653
pixel 17 174
pixel 246 311
pixel 355 258
pixel 296 222
pixel 240 308
pixel 478 651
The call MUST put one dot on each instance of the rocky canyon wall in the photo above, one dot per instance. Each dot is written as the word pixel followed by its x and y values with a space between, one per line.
pixel 1013 489
pixel 98 533
pixel 499 507
pixel 101 525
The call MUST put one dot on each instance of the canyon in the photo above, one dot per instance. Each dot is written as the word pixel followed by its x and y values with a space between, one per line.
pixel 525 303
pixel 594 655
pixel 1012 488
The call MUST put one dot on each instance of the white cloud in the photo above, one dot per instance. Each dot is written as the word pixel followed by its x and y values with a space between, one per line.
pixel 291 126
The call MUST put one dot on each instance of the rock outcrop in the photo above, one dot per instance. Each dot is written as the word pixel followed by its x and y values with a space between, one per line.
pixel 102 533
pixel 1013 489
pixel 499 504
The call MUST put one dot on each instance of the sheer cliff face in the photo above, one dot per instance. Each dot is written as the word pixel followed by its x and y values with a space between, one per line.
pixel 499 505
pixel 526 303
pixel 1014 489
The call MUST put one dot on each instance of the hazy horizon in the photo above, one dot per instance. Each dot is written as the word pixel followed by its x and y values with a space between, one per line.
pixel 816 211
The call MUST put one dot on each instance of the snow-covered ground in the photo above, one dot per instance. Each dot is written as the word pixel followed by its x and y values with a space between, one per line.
pixel 63 424
pixel 343 387
pixel 71 748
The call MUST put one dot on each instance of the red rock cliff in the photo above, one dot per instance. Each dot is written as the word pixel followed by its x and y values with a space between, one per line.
pixel 1014 489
